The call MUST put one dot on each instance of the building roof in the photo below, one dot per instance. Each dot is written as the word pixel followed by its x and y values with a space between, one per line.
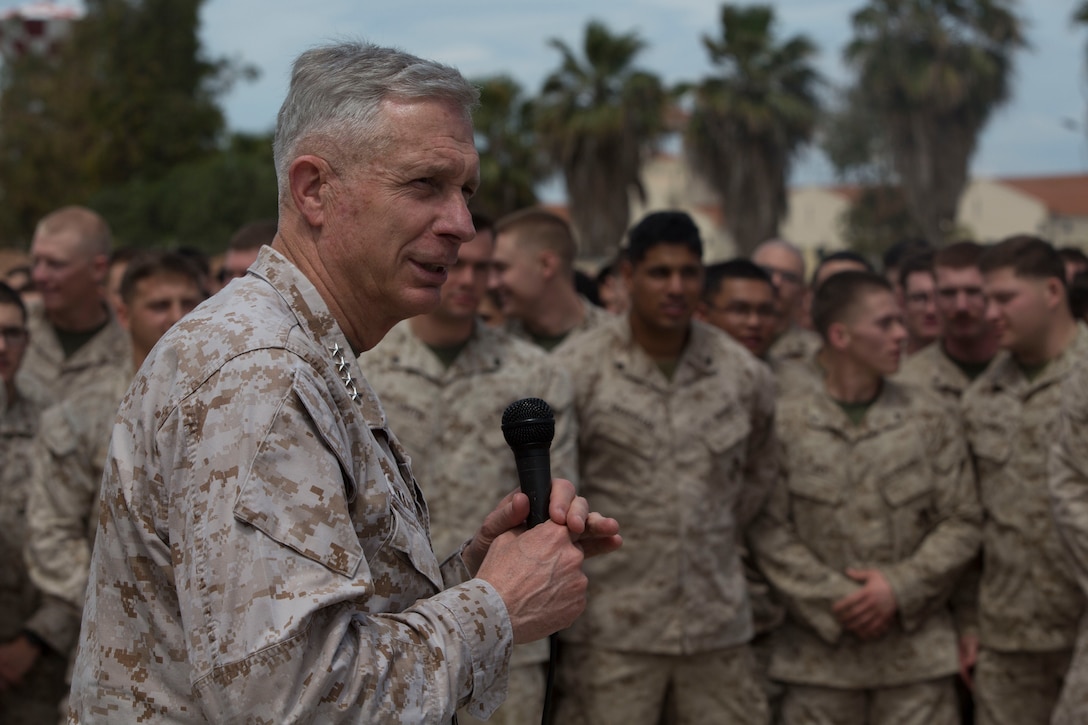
pixel 1063 195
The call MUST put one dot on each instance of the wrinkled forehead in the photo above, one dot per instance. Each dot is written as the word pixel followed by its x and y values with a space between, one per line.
pixel 64 244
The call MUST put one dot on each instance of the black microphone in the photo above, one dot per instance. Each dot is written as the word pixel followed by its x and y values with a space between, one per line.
pixel 529 426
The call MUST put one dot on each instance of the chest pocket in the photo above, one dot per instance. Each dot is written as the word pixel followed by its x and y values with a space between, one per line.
pixel 626 435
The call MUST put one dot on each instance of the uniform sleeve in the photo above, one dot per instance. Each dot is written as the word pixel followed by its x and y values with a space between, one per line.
pixel 761 462
pixel 285 617
pixel 924 580
pixel 1068 473
pixel 63 491
pixel 807 586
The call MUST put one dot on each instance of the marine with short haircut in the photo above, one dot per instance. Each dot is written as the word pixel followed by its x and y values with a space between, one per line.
pixel 1028 602
pixel 968 341
pixel 674 435
pixel 73 335
pixel 786 266
pixel 445 379
pixel 31 670
pixel 740 298
pixel 534 278
pixel 873 520
pixel 919 299
pixel 156 291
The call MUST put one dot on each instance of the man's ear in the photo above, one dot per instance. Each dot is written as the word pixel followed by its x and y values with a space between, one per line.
pixel 307 178
pixel 1055 292
pixel 549 263
pixel 838 336
pixel 123 317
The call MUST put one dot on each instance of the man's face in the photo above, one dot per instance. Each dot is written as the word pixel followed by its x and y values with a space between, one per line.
pixel 1019 308
pixel 746 309
pixel 13 340
pixel 665 288
pixel 467 282
pixel 875 332
pixel 920 306
pixel 157 303
pixel 517 274
pixel 961 303
pixel 787 272
pixel 393 223
pixel 65 273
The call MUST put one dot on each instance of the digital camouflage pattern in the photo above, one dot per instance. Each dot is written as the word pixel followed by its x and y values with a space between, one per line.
pixel 920 703
pixel 263 553
pixel 20 602
pixel 796 343
pixel 45 367
pixel 1068 485
pixel 1028 599
pixel 894 493
pixel 684 464
pixel 931 368
pixel 449 420
pixel 62 515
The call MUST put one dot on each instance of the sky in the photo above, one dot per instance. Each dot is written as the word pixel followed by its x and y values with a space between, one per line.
pixel 1042 130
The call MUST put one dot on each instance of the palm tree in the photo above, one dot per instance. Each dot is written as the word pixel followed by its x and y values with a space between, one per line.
pixel 598 118
pixel 749 121
pixel 510 164
pixel 934 71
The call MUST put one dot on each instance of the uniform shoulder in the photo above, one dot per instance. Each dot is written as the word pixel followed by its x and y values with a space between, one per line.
pixel 591 342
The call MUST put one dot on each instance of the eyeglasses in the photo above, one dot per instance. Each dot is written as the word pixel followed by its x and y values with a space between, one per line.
pixel 921 299
pixel 785 274
pixel 745 310
pixel 14 335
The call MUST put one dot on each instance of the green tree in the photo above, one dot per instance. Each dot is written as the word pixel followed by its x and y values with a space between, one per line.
pixel 933 72
pixel 197 204
pixel 749 121
pixel 510 164
pixel 598 118
pixel 128 97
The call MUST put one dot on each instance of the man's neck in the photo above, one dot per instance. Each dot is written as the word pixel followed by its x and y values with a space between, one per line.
pixel 81 319
pixel 914 344
pixel 847 382
pixel 556 314
pixel 1058 338
pixel 971 350
pixel 441 332
pixel 659 345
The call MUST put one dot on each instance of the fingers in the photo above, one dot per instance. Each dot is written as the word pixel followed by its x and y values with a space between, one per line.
pixel 564 503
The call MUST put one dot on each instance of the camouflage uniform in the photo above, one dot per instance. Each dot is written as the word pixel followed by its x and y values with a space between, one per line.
pixel 1068 484
pixel 1029 604
pixel 46 368
pixel 684 464
pixel 594 317
pixel 894 493
pixel 62 515
pixel 449 421
pixel 36 700
pixel 796 343
pixel 263 553
pixel 931 368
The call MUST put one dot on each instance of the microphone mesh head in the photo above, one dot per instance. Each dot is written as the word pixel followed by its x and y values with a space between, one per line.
pixel 528 421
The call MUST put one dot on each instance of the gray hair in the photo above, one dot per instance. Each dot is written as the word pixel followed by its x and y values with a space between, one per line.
pixel 337 90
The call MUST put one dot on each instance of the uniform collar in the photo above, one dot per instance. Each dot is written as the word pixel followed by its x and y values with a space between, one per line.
pixel 1005 373
pixel 697 359
pixel 481 354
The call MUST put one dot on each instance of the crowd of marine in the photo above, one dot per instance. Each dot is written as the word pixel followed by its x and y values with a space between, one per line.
pixel 850 496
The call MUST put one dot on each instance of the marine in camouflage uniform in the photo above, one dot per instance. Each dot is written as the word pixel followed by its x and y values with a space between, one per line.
pixel 931 368
pixel 895 494
pixel 1068 485
pixel 1029 604
pixel 872 522
pixel 686 460
pixel 795 344
pixel 21 607
pixel 279 541
pixel 448 419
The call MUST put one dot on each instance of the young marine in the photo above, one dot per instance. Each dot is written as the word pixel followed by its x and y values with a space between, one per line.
pixel 873 520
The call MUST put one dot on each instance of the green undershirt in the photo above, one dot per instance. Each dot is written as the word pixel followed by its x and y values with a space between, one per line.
pixel 668 367
pixel 856 411
pixel 70 342
pixel 1032 371
pixel 446 354
pixel 549 342
pixel 971 370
